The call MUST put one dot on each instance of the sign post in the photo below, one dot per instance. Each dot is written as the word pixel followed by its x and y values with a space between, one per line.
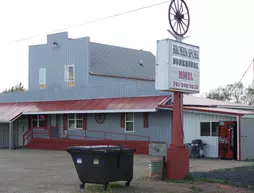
pixel 177 70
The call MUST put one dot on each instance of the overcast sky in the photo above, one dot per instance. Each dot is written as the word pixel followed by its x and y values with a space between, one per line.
pixel 222 28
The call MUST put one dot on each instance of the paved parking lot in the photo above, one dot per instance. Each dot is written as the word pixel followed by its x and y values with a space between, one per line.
pixel 35 171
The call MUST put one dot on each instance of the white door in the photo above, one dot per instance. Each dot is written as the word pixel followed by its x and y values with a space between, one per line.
pixel 23 127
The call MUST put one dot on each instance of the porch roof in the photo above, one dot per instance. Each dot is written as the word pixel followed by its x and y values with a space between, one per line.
pixel 11 111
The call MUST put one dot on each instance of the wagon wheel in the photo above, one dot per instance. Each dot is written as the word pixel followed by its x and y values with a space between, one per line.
pixel 179 17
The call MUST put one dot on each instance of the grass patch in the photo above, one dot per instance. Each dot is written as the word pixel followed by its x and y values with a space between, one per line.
pixel 196 189
pixel 95 188
pixel 187 179
pixel 214 181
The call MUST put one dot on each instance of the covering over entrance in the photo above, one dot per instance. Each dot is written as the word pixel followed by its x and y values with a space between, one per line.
pixel 11 111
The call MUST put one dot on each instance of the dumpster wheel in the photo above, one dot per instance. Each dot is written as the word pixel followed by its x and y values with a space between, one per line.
pixel 106 187
pixel 82 186
pixel 127 184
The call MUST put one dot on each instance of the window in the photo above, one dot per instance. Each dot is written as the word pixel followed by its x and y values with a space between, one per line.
pixel 215 129
pixel 75 121
pixel 42 77
pixel 209 129
pixel 205 129
pixel 70 73
pixel 38 121
pixel 129 122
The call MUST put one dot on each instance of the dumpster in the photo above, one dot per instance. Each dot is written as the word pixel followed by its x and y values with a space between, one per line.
pixel 102 164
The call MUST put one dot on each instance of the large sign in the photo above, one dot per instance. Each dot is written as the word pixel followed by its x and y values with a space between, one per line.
pixel 177 67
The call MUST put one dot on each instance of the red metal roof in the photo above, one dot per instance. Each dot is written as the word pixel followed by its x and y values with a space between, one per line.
pixel 9 111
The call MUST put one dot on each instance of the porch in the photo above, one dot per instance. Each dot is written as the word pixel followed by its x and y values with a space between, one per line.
pixel 58 131
pixel 128 119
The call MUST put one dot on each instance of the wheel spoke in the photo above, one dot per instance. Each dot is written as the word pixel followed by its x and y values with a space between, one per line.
pixel 173 9
pixel 175 6
pixel 184 23
pixel 180 28
pixel 174 25
pixel 181 7
pixel 181 25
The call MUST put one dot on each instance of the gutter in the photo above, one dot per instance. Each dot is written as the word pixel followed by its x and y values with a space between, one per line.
pixel 125 77
pixel 189 109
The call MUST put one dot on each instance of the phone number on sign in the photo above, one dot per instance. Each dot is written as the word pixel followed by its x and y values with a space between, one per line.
pixel 185 85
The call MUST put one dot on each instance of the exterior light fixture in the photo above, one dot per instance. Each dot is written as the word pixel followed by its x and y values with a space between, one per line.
pixel 55 45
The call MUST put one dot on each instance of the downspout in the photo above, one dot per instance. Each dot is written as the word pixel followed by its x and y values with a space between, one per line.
pixel 10 135
pixel 238 118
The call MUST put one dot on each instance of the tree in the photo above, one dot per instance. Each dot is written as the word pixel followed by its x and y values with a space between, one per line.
pixel 16 88
pixel 220 93
pixel 237 92
pixel 232 92
pixel 249 96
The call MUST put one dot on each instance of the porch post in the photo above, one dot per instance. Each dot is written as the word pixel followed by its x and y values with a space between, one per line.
pixel 10 135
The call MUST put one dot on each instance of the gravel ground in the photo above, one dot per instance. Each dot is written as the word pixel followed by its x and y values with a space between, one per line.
pixel 35 171
pixel 144 186
pixel 241 176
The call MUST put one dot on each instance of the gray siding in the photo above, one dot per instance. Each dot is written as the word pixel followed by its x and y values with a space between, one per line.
pixel 86 56
pixel 159 128
pixel 191 126
pixel 247 142
pixel 4 135
pixel 86 92
pixel 70 51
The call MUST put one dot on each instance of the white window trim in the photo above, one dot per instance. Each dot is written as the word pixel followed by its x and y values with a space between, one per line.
pixel 42 72
pixel 66 73
pixel 211 129
pixel 129 121
pixel 37 121
pixel 75 122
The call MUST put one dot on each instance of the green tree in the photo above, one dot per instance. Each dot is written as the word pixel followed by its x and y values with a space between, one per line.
pixel 249 96
pixel 232 92
pixel 16 88
pixel 220 93
pixel 237 92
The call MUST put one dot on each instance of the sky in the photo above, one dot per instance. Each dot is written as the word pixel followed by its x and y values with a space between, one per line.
pixel 221 28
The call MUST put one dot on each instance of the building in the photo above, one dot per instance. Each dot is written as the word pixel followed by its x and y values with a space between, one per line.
pixel 81 92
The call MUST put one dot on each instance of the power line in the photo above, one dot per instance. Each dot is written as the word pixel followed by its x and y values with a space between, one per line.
pixel 233 89
pixel 93 21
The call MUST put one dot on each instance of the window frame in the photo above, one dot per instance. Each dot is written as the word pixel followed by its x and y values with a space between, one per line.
pixel 201 129
pixel 66 73
pixel 129 121
pixel 217 128
pixel 211 133
pixel 38 120
pixel 75 119
pixel 42 76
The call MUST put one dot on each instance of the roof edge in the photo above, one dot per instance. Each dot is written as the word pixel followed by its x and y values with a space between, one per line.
pixel 92 111
pixel 170 107
pixel 123 77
